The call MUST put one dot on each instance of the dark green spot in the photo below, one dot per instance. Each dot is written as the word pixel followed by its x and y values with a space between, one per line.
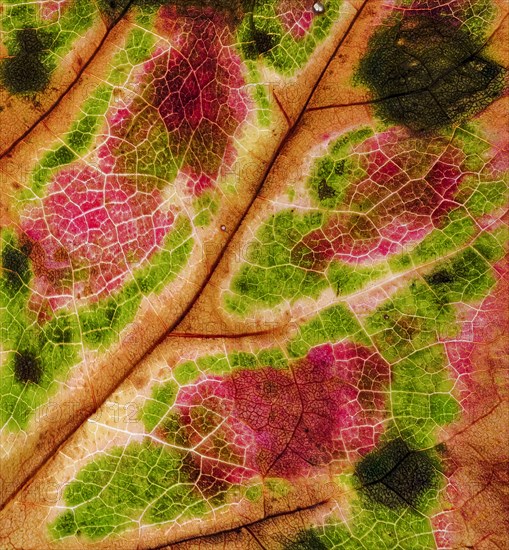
pixel 16 266
pixel 426 73
pixel 325 191
pixel 27 368
pixel 24 72
pixel 259 43
pixel 395 475
pixel 440 277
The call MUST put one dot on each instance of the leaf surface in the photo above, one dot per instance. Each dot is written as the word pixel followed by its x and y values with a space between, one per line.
pixel 254 284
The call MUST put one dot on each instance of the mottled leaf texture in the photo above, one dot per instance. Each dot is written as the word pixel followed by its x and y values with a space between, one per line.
pixel 254 278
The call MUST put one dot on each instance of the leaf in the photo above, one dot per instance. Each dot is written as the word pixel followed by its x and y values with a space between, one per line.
pixel 254 274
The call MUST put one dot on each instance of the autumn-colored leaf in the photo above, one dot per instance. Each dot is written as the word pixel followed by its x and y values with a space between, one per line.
pixel 254 274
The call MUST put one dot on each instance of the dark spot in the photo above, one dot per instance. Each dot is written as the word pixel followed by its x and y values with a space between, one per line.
pixel 27 368
pixel 440 277
pixel 241 285
pixel 16 265
pixel 25 71
pixel 426 73
pixel 113 9
pixel 395 475
pixel 306 540
pixel 339 167
pixel 260 42
pixel 111 311
pixel 325 191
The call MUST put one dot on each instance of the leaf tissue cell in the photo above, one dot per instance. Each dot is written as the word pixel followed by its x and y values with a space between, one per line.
pixel 254 278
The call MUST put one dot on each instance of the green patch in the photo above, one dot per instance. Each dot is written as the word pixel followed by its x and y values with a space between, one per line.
pixel 158 406
pixel 82 132
pixel 277 264
pixel 140 482
pixel 206 207
pixel 492 246
pixel 221 365
pixel 457 229
pixel 485 196
pixel 334 172
pixel 330 325
pixel 421 395
pixel 465 278
pixel 41 355
pixel 411 320
pixel 346 279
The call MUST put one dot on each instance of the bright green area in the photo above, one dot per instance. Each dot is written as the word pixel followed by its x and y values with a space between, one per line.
pixel 407 328
pixel 278 266
pixel 259 93
pixel 56 344
pixel 373 526
pixel 421 396
pixel 159 404
pixel 206 207
pixel 457 229
pixel 330 325
pixel 334 172
pixel 346 278
pixel 492 246
pixel 261 34
pixel 111 493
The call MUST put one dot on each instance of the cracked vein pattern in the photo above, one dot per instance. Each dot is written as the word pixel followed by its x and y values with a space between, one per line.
pixel 351 391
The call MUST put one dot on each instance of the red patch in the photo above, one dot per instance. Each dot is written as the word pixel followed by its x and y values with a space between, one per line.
pixel 198 89
pixel 286 423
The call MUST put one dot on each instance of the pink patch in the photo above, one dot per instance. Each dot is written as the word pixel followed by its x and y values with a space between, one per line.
pixel 88 234
pixel 410 187
pixel 287 423
pixel 296 16
pixel 52 9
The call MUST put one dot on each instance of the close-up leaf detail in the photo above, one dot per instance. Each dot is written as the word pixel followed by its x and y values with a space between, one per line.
pixel 254 285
